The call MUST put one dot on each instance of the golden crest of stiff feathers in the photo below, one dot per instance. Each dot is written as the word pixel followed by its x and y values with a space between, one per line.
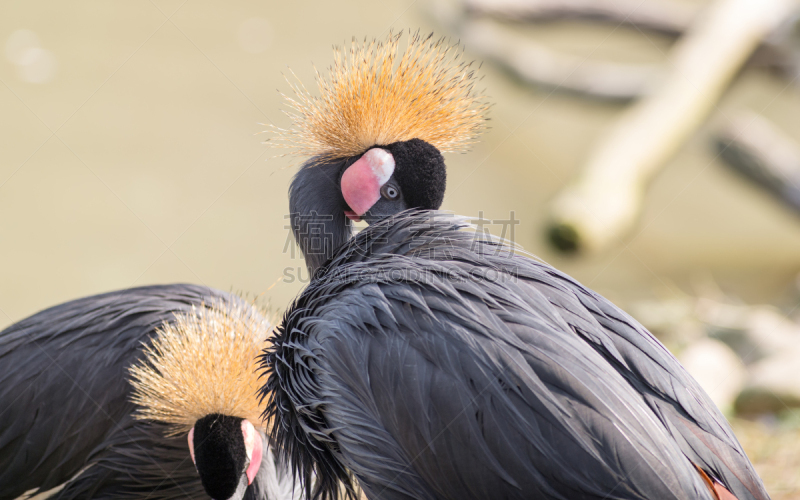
pixel 374 95
pixel 202 363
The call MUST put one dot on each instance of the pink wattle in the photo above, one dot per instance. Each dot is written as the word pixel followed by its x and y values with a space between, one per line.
pixel 360 187
pixel 362 181
pixel 191 445
pixel 255 460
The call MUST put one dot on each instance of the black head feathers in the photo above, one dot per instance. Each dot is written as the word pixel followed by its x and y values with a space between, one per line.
pixel 421 173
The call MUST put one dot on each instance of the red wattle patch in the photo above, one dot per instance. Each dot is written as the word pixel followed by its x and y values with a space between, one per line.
pixel 191 445
pixel 255 460
pixel 362 181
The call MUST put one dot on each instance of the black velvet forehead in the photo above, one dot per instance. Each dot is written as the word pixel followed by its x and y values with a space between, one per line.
pixel 219 453
pixel 420 171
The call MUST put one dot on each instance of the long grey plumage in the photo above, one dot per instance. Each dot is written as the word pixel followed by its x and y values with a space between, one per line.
pixel 65 410
pixel 434 365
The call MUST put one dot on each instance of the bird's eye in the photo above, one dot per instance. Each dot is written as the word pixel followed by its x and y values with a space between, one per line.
pixel 390 192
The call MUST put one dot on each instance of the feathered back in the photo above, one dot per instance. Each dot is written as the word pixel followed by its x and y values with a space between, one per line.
pixel 202 363
pixel 373 95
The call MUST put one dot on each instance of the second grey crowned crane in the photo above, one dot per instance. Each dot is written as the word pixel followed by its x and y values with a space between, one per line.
pixel 430 363
pixel 97 395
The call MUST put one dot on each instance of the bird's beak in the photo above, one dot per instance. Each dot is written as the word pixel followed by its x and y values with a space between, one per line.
pixel 253 446
pixel 361 182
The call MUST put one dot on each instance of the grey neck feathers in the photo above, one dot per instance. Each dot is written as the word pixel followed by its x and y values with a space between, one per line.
pixel 274 480
pixel 317 210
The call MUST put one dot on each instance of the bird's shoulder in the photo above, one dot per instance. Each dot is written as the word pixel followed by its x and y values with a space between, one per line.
pixel 471 381
pixel 430 266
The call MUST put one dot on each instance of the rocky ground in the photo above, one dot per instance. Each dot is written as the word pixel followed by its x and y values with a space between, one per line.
pixel 774 448
pixel 747 357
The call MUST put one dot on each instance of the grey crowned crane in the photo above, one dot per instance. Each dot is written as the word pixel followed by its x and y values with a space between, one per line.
pixel 97 396
pixel 430 363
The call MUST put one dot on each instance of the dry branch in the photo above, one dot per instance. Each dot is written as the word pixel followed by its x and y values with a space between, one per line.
pixel 537 64
pixel 604 201
pixel 756 148
pixel 662 16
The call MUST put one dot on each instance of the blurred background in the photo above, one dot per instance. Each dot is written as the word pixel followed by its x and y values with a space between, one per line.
pixel 130 155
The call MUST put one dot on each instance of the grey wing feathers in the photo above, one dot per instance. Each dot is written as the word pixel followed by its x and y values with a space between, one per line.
pixel 460 407
pixel 435 382
pixel 673 395
pixel 135 462
pixel 695 424
pixel 63 382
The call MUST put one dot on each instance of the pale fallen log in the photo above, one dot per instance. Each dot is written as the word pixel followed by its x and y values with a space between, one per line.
pixel 667 17
pixel 537 64
pixel 603 203
pixel 759 150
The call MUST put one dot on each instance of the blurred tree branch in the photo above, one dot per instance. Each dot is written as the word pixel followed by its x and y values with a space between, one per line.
pixel 714 42
pixel 665 17
pixel 756 148
pixel 537 64
pixel 604 201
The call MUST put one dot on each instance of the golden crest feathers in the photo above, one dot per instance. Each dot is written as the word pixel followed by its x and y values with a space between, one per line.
pixel 374 95
pixel 202 363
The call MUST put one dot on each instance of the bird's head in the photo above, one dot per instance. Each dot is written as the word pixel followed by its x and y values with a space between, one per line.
pixel 375 136
pixel 200 374
pixel 227 453
pixel 389 179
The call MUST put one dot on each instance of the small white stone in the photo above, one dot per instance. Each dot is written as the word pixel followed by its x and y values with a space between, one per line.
pixel 773 385
pixel 717 369
pixel 754 332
